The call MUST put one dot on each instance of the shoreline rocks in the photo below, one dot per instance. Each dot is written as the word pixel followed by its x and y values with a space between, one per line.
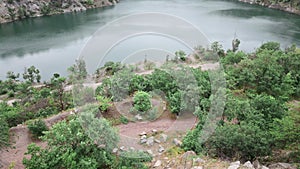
pixel 20 9
pixel 280 7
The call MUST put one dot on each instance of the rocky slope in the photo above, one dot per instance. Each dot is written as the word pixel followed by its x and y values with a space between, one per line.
pixel 280 6
pixel 11 10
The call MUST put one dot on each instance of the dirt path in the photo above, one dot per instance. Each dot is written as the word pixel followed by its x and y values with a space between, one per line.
pixel 129 133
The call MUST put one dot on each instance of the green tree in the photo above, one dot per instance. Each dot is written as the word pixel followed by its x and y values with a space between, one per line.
pixel 13 76
pixel 57 85
pixel 68 147
pixel 141 101
pixel 32 74
pixel 78 71
pixel 180 55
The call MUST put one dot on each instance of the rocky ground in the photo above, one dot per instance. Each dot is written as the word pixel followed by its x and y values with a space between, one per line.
pixel 11 10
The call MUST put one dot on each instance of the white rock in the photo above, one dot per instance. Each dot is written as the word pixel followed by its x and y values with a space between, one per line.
pixel 248 164
pixel 154 131
pixel 143 141
pixel 281 166
pixel 143 133
pixel 122 148
pixel 177 142
pixel 143 137
pixel 138 117
pixel 157 163
pixel 150 141
pixel 234 165
pixel 156 141
pixel 115 150
pixel 161 149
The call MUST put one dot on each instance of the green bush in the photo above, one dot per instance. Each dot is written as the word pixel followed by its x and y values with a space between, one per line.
pixel 11 94
pixel 104 103
pixel 133 160
pixel 4 133
pixel 124 120
pixel 45 10
pixel 244 141
pixel 142 102
pixel 37 127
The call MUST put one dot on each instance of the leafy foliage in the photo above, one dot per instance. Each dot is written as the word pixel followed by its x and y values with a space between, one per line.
pixel 245 141
pixel 37 127
pixel 68 147
pixel 4 133
pixel 133 160
pixel 104 103
pixel 32 74
pixel 141 101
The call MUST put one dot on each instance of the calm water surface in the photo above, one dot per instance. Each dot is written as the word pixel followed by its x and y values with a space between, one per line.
pixel 52 43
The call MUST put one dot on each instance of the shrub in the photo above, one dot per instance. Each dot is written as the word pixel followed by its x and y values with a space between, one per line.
pixel 37 127
pixel 133 160
pixel 11 93
pixel 45 10
pixel 245 141
pixel 90 2
pixel 152 114
pixel 4 134
pixel 123 120
pixel 142 101
pixel 104 103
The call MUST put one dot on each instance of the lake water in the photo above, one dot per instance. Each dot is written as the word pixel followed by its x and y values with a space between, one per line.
pixel 52 43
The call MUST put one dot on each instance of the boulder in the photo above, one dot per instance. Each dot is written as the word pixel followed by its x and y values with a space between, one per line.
pixel 234 165
pixel 281 166
pixel 248 165
pixel 150 141
pixel 256 164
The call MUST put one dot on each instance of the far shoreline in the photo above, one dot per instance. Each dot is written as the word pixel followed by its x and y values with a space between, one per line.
pixel 279 7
